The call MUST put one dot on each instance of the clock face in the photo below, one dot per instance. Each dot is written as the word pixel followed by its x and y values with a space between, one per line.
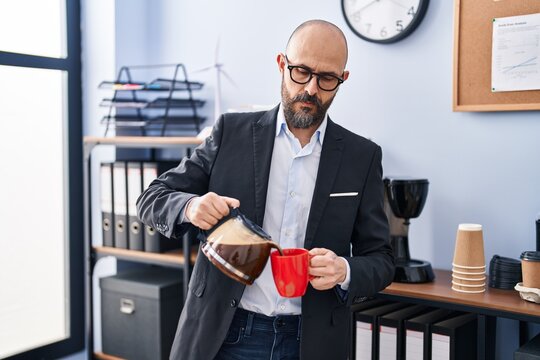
pixel 383 21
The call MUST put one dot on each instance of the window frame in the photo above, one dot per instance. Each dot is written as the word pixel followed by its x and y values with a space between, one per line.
pixel 71 64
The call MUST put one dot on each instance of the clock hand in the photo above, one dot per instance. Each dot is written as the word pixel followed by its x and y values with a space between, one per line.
pixel 366 6
pixel 399 4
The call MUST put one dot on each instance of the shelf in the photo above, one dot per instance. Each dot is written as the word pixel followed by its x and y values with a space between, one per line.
pixel 493 301
pixel 173 258
pixel 159 103
pixel 142 141
pixel 124 103
pixel 162 103
pixel 103 356
pixel 165 85
pixel 121 85
pixel 151 122
pixel 157 107
pixel 156 85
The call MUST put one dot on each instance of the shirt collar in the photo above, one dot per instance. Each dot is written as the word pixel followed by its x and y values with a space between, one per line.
pixel 281 125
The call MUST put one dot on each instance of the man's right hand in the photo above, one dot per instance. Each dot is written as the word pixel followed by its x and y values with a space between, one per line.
pixel 205 211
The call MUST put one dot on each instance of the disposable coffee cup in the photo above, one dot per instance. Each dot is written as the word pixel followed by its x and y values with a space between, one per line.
pixel 469 277
pixel 469 249
pixel 468 287
pixel 464 281
pixel 530 268
pixel 460 289
pixel 468 272
pixel 469 268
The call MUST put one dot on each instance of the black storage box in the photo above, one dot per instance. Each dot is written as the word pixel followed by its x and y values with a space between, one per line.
pixel 139 313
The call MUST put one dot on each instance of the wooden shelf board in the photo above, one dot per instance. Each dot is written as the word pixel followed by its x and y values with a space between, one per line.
pixel 173 257
pixel 103 356
pixel 142 140
pixel 440 291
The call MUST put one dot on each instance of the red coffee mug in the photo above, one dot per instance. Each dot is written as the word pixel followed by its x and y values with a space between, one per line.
pixel 290 271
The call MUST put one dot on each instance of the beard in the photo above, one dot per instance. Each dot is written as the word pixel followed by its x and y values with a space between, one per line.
pixel 303 118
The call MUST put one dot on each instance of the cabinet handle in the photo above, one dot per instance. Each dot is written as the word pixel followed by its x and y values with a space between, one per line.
pixel 127 306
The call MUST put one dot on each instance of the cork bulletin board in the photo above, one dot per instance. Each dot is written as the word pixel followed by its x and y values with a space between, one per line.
pixel 473 31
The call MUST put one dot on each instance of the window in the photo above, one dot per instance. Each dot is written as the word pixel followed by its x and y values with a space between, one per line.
pixel 41 215
pixel 33 27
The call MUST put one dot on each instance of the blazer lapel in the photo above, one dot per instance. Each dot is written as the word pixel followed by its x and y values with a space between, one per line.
pixel 332 151
pixel 264 133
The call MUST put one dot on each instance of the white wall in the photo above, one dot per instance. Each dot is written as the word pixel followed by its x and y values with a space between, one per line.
pixel 98 64
pixel 482 167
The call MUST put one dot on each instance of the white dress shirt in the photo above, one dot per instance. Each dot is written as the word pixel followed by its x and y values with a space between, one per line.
pixel 293 172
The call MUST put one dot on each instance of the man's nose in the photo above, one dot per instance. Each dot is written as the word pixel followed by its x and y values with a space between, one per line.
pixel 311 87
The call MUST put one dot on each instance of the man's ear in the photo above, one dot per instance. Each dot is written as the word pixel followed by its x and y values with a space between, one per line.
pixel 345 75
pixel 281 62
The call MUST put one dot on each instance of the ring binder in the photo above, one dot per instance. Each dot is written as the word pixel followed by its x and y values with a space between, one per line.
pixel 107 204
pixel 455 338
pixel 418 333
pixel 121 235
pixel 153 240
pixel 134 180
pixel 367 330
pixel 392 331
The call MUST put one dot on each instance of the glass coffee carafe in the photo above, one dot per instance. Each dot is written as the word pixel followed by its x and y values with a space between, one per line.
pixel 238 247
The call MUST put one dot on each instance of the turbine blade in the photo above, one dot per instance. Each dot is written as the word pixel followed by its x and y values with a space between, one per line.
pixel 228 77
pixel 216 54
pixel 203 69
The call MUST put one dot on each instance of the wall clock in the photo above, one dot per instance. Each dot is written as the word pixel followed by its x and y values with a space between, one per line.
pixel 383 21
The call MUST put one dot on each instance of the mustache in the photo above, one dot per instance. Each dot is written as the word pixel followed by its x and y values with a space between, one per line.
pixel 305 97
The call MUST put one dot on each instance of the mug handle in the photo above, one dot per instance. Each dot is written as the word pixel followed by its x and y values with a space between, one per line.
pixel 310 277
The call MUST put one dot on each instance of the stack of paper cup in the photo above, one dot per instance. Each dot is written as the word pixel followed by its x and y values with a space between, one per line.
pixel 469 265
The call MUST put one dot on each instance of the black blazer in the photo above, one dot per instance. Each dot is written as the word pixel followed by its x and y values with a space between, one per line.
pixel 235 161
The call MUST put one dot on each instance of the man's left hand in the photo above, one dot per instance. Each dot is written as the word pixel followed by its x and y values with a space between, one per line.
pixel 327 269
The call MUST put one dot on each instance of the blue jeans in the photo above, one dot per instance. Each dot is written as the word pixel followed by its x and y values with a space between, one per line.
pixel 254 336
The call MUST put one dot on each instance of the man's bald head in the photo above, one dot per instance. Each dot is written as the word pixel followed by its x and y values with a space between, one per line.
pixel 321 36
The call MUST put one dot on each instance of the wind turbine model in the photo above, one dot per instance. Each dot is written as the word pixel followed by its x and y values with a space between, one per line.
pixel 217 89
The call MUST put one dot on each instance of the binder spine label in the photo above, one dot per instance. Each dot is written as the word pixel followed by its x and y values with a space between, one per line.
pixel 414 345
pixel 134 189
pixel 106 190
pixel 120 206
pixel 364 334
pixel 149 174
pixel 388 330
pixel 387 343
pixel 440 347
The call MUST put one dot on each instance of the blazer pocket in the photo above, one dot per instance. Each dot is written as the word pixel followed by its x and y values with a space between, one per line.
pixel 197 283
pixel 340 315
pixel 344 194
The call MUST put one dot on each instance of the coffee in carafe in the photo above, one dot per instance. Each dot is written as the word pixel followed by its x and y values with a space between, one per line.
pixel 238 247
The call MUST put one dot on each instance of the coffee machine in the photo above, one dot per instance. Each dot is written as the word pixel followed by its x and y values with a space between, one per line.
pixel 404 200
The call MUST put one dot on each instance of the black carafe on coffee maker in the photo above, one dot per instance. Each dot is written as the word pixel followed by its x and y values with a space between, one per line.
pixel 404 200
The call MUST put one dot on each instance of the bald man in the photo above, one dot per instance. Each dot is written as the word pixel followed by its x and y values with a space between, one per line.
pixel 310 184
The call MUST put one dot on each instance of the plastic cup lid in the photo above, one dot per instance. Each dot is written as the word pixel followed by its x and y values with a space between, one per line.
pixel 470 227
pixel 531 255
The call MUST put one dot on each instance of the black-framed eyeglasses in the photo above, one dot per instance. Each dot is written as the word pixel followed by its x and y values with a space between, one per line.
pixel 303 75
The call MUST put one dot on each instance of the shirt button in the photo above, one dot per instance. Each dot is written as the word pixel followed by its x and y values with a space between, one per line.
pixel 292 193
pixel 282 307
pixel 233 303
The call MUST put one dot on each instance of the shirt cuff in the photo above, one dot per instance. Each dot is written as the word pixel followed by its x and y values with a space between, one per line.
pixel 182 219
pixel 345 284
